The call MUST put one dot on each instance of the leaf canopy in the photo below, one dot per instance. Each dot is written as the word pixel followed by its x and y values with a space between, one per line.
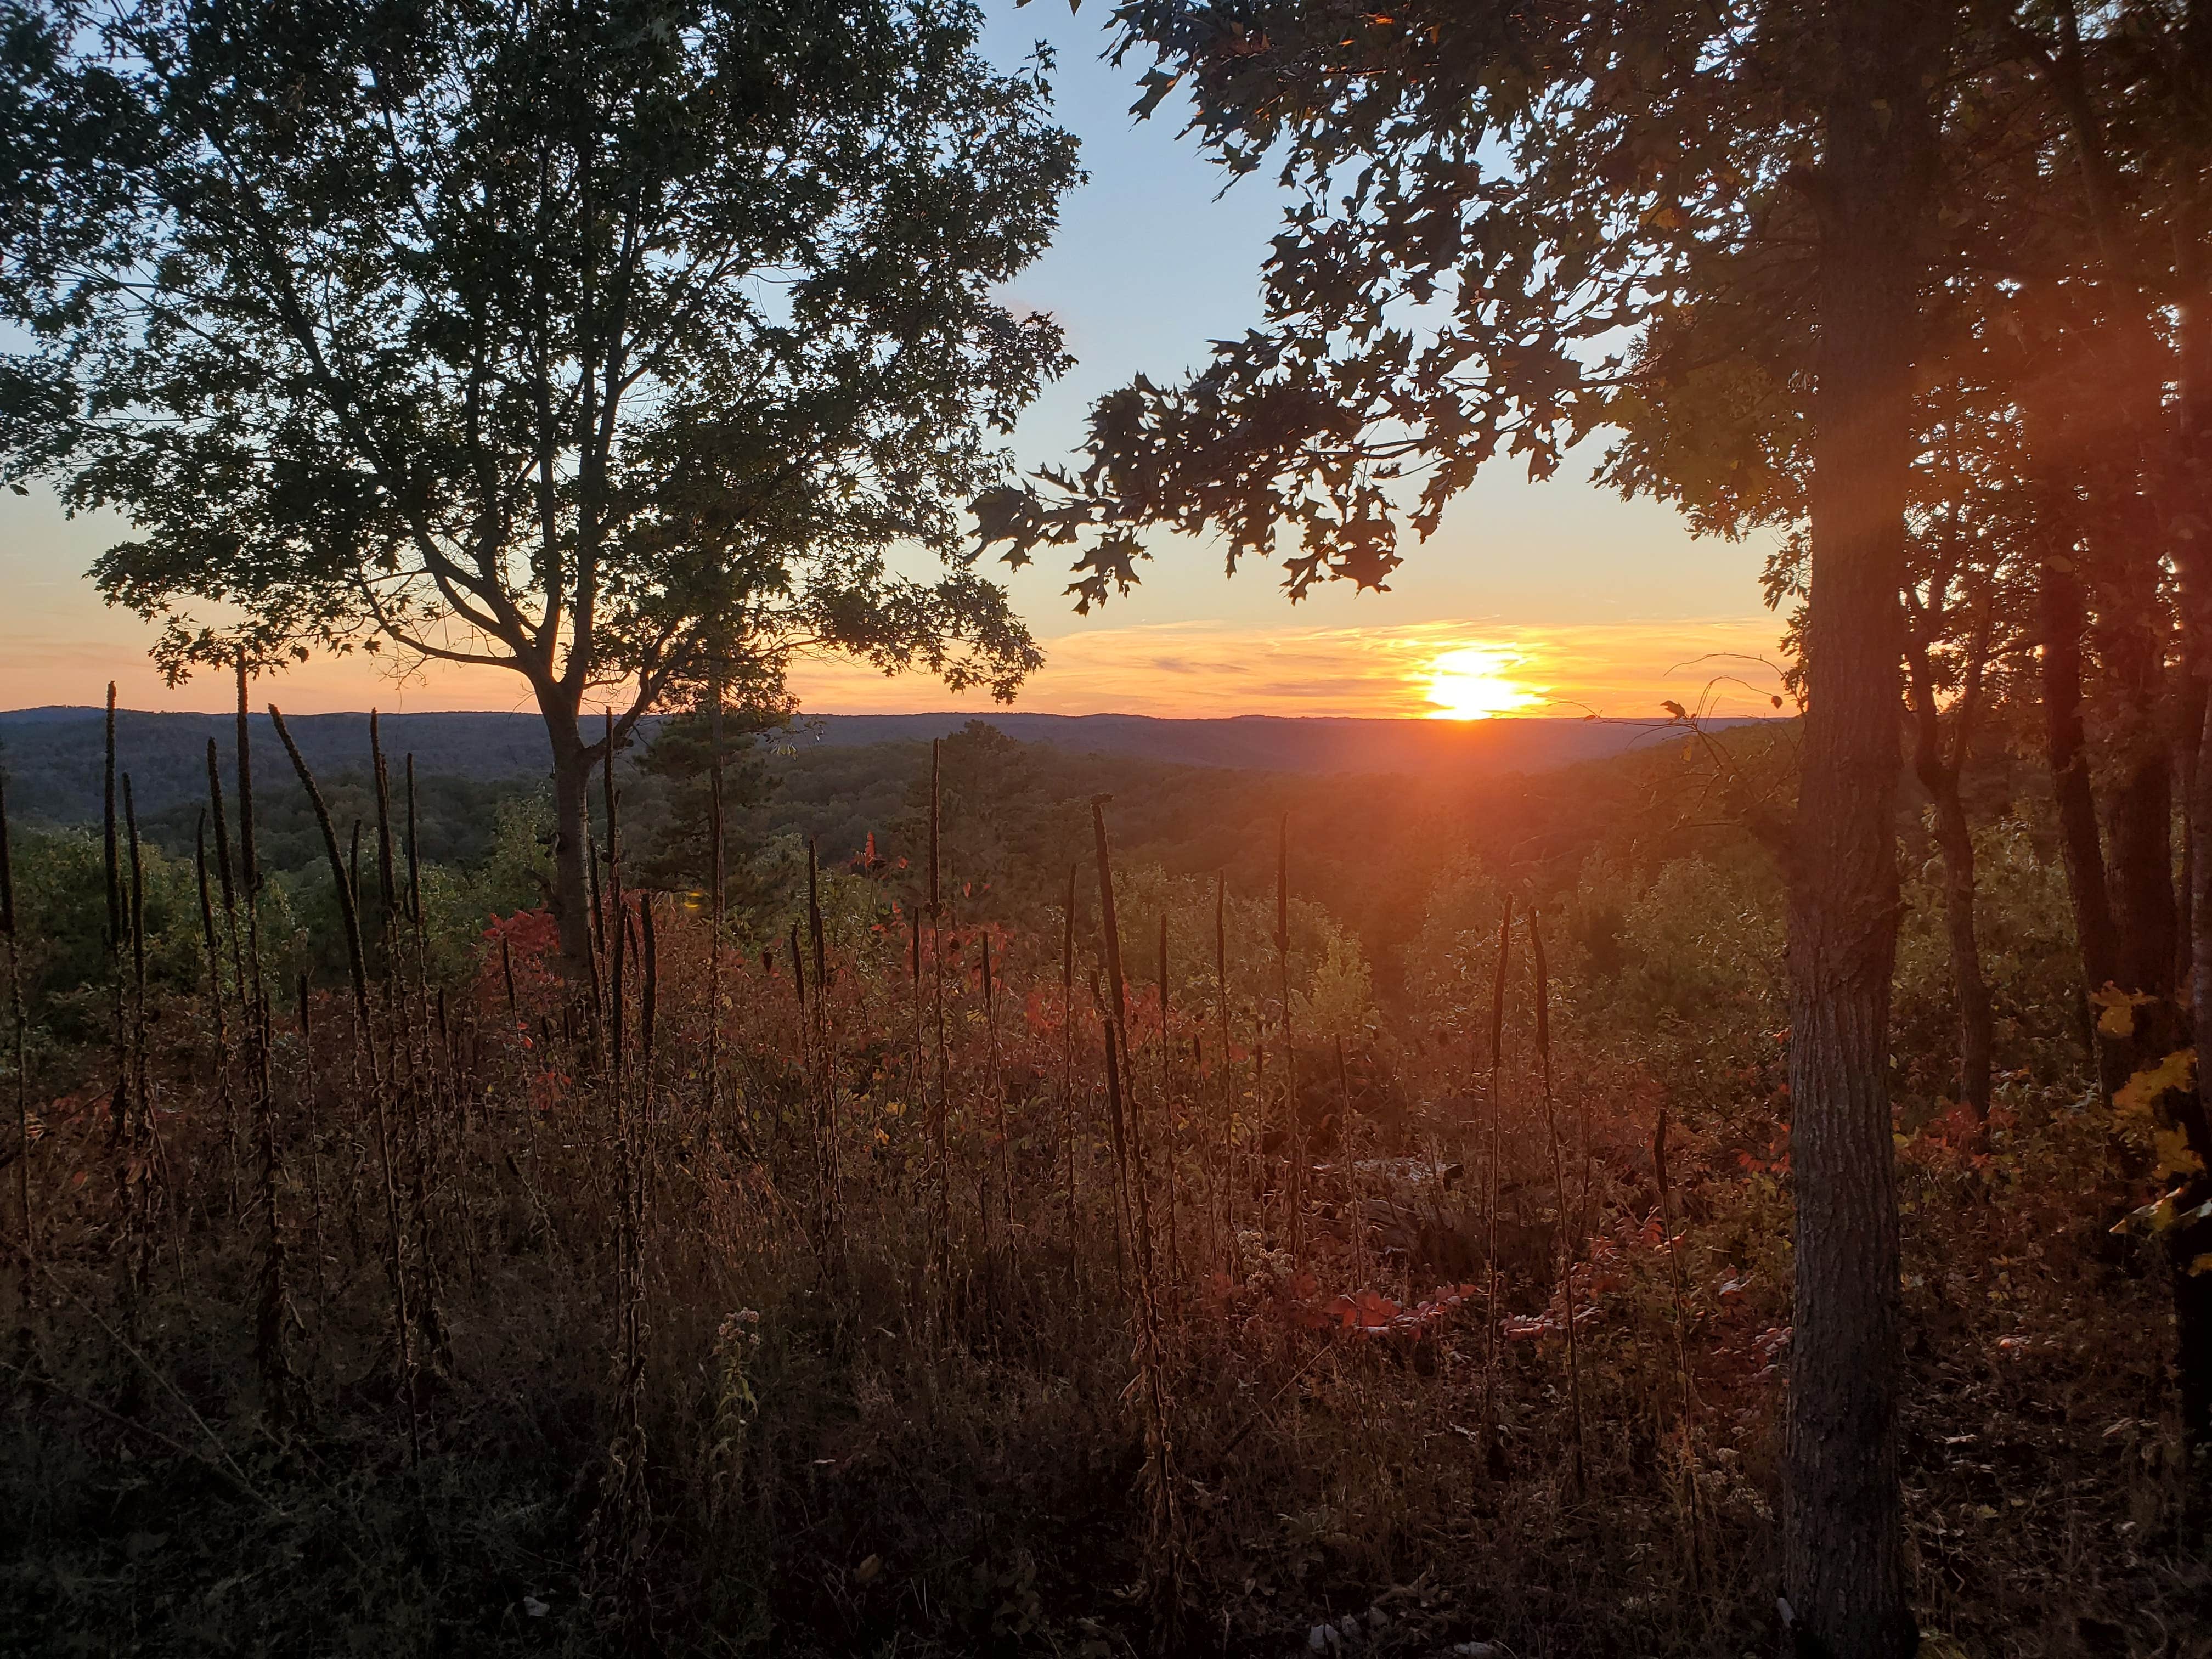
pixel 622 343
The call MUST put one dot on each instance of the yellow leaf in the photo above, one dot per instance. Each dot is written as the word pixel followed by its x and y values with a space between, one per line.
pixel 2202 1264
pixel 2174 1157
pixel 2116 1016
pixel 2135 1096
pixel 2152 1217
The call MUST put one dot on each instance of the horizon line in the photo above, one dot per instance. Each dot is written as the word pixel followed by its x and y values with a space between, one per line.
pixel 984 717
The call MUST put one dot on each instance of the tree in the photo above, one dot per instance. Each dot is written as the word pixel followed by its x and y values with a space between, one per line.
pixel 613 343
pixel 1006 823
pixel 2132 84
pixel 1492 196
pixel 702 772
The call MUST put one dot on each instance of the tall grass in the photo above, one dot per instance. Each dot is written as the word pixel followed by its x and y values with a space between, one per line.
pixel 869 1295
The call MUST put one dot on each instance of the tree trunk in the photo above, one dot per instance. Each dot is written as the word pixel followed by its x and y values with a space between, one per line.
pixel 2141 821
pixel 2131 625
pixel 2190 1239
pixel 1844 1535
pixel 1955 836
pixel 572 788
pixel 1954 839
pixel 2126 360
pixel 2079 846
pixel 2188 745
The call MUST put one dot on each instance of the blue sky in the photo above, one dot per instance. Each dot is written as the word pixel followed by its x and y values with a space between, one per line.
pixel 1594 599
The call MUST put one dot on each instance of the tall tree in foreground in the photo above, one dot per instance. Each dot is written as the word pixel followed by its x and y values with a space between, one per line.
pixel 1843 1542
pixel 1492 197
pixel 610 343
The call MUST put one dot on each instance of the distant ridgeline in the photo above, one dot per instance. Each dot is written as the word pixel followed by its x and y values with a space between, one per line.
pixel 52 757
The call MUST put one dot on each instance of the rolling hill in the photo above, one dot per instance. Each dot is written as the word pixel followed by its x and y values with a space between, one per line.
pixel 52 757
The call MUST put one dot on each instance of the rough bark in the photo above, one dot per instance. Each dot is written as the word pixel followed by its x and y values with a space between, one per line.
pixel 1941 774
pixel 2139 809
pixel 572 788
pixel 2192 1239
pixel 1955 837
pixel 2079 847
pixel 2192 486
pixel 1842 1548
pixel 2188 743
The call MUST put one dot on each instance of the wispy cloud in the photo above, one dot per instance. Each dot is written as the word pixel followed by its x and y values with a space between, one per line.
pixel 1198 668
pixel 1728 664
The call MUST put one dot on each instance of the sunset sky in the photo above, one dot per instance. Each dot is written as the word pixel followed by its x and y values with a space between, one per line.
pixel 1551 598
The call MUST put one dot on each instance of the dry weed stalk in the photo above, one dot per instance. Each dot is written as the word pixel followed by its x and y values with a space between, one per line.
pixel 1228 1082
pixel 1682 1285
pixel 716 899
pixel 149 1181
pixel 283 1395
pixel 409 1058
pixel 824 1040
pixel 219 1026
pixel 1568 1248
pixel 830 1175
pixel 1164 1549
pixel 595 955
pixel 119 1115
pixel 114 869
pixel 1070 1118
pixel 940 1106
pixel 994 1092
pixel 621 1527
pixel 251 1035
pixel 1495 1449
pixel 254 989
pixel 369 1074
pixel 1294 1133
pixel 18 1033
pixel 1168 1115
pixel 1355 1229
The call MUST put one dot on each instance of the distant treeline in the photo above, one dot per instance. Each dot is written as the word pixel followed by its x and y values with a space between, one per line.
pixel 52 757
pixel 1374 848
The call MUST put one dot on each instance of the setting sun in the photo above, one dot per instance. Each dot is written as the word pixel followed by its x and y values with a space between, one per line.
pixel 1473 682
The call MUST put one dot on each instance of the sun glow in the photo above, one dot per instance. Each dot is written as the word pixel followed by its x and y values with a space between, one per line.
pixel 1473 682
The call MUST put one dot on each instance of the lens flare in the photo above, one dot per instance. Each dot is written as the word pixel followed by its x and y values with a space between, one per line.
pixel 1473 682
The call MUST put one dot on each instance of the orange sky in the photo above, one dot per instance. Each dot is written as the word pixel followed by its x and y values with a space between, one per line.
pixel 1205 668
pixel 1189 669
pixel 1579 600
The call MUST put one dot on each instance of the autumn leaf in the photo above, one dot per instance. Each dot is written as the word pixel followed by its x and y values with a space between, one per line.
pixel 2117 1008
pixel 2174 1155
pixel 2135 1097
pixel 2151 1218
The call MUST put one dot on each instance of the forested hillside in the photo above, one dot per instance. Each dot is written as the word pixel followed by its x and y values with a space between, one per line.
pixel 655 1172
pixel 51 753
pixel 1021 809
pixel 525 1228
